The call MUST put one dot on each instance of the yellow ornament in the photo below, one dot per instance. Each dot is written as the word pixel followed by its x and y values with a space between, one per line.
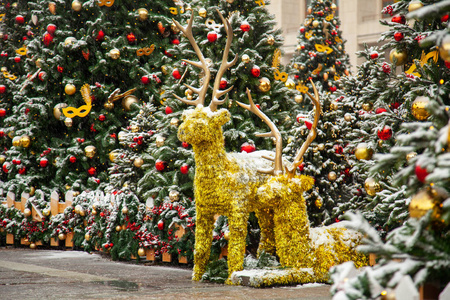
pixel 325 76
pixel 298 99
pixel 290 84
pixel 108 105
pixel 38 63
pixel 372 186
pixel 164 70
pixel 245 58
pixel 2 159
pixel 118 228
pixel 426 200
pixel 160 141
pixel 347 117
pixel 87 237
pixel 70 89
pixel 226 235
pixel 27 212
pixel 125 210
pixel 141 252
pixel 418 108
pixel 57 110
pixel 174 195
pixel 174 122
pixel 33 246
pixel 414 5
pixel 334 105
pixel 400 56
pixel 363 151
pixel 270 40
pixel 264 84
pixel 174 28
pixel 138 162
pixel 122 136
pixel 332 176
pixel 315 23
pixel 46 212
pixel 77 209
pixel 143 14
pixel 16 141
pixel 70 41
pixel 25 141
pixel 52 7
pixel 62 236
pixel 32 190
pixel 367 106
pixel 134 128
pixel 68 122
pixel 128 102
pixel 112 156
pixel 333 6
pixel 318 203
pixel 114 53
pixel 76 5
pixel 321 147
pixel 94 212
pixel 189 94
pixel 202 12
pixel 444 49
pixel 90 151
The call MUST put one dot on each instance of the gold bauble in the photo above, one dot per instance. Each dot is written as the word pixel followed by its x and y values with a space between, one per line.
pixel 372 186
pixel 298 99
pixel 174 28
pixel 90 151
pixel 363 151
pixel 67 186
pixel 290 84
pixel 245 58
pixel 264 84
pixel 270 40
pixel 112 156
pixel 347 117
pixel 160 141
pixel 118 228
pixel 230 1
pixel 367 106
pixel 138 162
pixel 174 195
pixel 334 105
pixel 226 235
pixel 68 122
pixel 57 110
pixel 121 136
pixel 141 252
pixel 94 212
pixel 164 70
pixel 114 53
pixel 78 208
pixel 309 10
pixel 380 143
pixel 128 101
pixel 16 141
pixel 414 5
pixel 2 159
pixel 318 203
pixel 124 227
pixel 70 41
pixel 325 76
pixel 174 122
pixel 76 5
pixel 125 210
pixel 444 48
pixel 25 141
pixel 418 108
pixel 33 246
pixel 321 147
pixel 82 212
pixel 333 6
pixel 401 56
pixel 332 176
pixel 189 94
pixel 108 105
pixel 410 155
pixel 134 128
pixel 202 12
pixel 143 14
pixel 426 200
pixel 87 237
pixel 38 63
pixel 52 7
pixel 62 236
pixel 70 89
pixel 315 23
pixel 32 190
pixel 27 212
pixel 46 212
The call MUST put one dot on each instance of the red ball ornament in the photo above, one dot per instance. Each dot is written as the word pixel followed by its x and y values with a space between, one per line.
pixel 102 118
pixel 444 18
pixel 73 159
pixel 145 79
pixel 20 19
pixel 47 39
pixel 51 29
pixel 385 133
pixel 185 145
pixel 131 38
pixel 380 110
pixel 184 169
pixel 17 59
pixel 2 89
pixel 421 173
pixel 374 55
pixel 161 225
pixel 399 19
pixel 92 171
pixel 302 29
pixel 100 36
pixel 301 167
pixel 212 36
pixel 176 41
pixel 6 166
pixel 223 84
pixel 398 36
pixel 255 71
pixel 22 170
pixel 5 37
pixel 43 162
pixel 2 133
pixel 42 75
pixel 160 165
pixel 168 110
pixel 59 69
pixel 338 149
pixel 333 88
pixel 395 105
pixel 16 161
pixel 2 112
pixel 308 124
pixel 245 26
pixel 176 74
pixel 249 148
pixel 447 64
pixel 4 54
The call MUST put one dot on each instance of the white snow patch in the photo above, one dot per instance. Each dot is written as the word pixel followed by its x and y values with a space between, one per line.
pixel 61 254
pixel 308 285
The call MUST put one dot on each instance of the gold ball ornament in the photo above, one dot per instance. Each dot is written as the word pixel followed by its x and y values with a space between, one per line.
pixel 189 94
pixel 52 7
pixel 2 159
pixel 78 208
pixel 16 141
pixel 68 122
pixel 418 108
pixel 318 203
pixel 315 23
pixel 82 212
pixel 202 12
pixel 134 128
pixel 112 156
pixel 38 63
pixel 325 76
pixel 367 106
pixel 321 147
pixel 33 246
pixel 62 236
pixel 333 6
pixel 25 141
pixel 76 5
pixel 114 53
pixel 414 5
pixel 27 212
pixel 94 212
pixel 70 89
pixel 70 41
pixel 142 14
pixel 444 48
pixel 87 237
pixel 164 70
pixel 90 151
pixel 121 136
pixel 174 28
pixel 426 200
pixel 125 210
pixel 118 228
pixel 401 56
pixel 128 101
pixel 347 117
pixel 124 227
pixel 174 195
pixel 363 151
pixel 332 176
pixel 226 235
pixel 298 99
pixel 160 141
pixel 108 105
pixel 141 252
pixel 57 110
pixel 372 186
pixel 230 1
pixel 245 58
pixel 138 162
pixel 270 40
pixel 174 122
pixel 380 143
pixel 46 212
pixel 334 105
pixel 410 155
pixel 32 190
pixel 264 85
pixel 290 84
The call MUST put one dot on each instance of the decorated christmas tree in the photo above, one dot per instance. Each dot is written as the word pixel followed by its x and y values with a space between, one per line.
pixel 82 59
pixel 416 253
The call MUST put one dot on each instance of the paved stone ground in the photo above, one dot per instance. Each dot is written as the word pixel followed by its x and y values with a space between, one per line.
pixel 52 274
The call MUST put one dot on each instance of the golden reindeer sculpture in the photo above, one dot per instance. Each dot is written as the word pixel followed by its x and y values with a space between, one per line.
pixel 234 184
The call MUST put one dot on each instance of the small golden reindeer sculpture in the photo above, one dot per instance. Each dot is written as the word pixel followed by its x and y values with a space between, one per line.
pixel 235 184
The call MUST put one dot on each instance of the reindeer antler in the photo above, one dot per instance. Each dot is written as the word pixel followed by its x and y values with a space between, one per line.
pixel 312 134
pixel 274 132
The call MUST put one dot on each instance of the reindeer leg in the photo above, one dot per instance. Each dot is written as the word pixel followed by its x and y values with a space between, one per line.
pixel 237 223
pixel 203 240
pixel 267 240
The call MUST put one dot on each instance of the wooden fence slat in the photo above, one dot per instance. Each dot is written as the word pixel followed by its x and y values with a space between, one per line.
pixel 10 199
pixel 54 203
pixel 54 242
pixel 150 254
pixel 69 240
pixel 23 199
pixel 372 259
pixel 182 259
pixel 166 257
pixel 9 239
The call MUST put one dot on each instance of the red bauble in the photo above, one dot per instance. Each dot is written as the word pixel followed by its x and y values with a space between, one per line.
pixel 255 71
pixel 102 118
pixel 308 124
pixel 302 29
pixel 161 225
pixel 92 171
pixel 223 84
pixel 421 173
pixel 395 105
pixel 398 36
pixel 168 110
pixel 176 74
pixel 20 19
pixel 184 169
pixel 17 59
pixel 2 112
pixel 333 88
pixel 176 41
pixel 380 110
pixel 185 145
pixel 301 167
pixel 5 37
pixel 245 26
pixel 249 148
pixel 444 18
pixel 51 29
pixel 131 38
pixel 6 167
pixel 399 19
pixel 47 39
pixel 145 79
pixel 374 55
pixel 4 54
pixel 338 149
pixel 59 69
pixel 16 161
pixel 42 75
pixel 447 64
pixel 100 36
pixel 385 133
pixel 22 170
pixel 160 165
pixel 73 159
pixel 212 36
pixel 43 162
pixel 2 89
pixel 2 133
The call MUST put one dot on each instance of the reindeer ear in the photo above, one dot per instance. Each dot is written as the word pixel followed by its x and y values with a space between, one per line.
pixel 222 116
